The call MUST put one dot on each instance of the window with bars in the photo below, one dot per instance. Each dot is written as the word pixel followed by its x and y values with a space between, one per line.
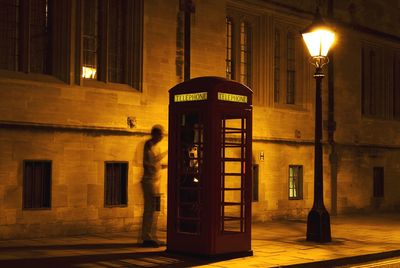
pixel 295 182
pixel 37 185
pixel 111 35
pixel 116 184
pixel 26 40
pixel 238 50
pixel 378 184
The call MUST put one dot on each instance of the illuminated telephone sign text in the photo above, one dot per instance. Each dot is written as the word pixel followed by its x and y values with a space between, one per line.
pixel 232 97
pixel 191 97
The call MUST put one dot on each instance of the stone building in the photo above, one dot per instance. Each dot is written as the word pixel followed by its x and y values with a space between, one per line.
pixel 83 81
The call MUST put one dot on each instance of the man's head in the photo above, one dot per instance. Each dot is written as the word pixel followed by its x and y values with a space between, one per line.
pixel 157 133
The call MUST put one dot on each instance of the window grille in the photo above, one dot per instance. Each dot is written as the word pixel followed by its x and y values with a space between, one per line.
pixel 37 185
pixel 116 182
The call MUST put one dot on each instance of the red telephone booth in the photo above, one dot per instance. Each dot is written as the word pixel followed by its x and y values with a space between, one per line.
pixel 209 170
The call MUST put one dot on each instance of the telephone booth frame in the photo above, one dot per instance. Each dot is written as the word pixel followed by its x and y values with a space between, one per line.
pixel 210 168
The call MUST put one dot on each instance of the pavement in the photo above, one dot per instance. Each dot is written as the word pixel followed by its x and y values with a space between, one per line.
pixel 355 239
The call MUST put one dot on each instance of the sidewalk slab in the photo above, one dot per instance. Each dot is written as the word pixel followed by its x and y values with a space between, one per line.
pixel 355 239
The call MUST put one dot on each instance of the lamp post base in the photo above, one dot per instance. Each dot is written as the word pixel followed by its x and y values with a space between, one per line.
pixel 318 225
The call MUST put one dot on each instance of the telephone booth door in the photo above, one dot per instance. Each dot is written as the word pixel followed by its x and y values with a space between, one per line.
pixel 209 169
pixel 235 213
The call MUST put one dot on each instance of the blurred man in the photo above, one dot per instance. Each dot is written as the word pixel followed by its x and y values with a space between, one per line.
pixel 152 166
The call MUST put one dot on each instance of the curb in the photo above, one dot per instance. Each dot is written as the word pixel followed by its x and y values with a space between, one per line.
pixel 346 260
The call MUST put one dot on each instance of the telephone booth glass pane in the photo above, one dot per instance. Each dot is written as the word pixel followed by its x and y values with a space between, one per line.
pixel 233 156
pixel 190 162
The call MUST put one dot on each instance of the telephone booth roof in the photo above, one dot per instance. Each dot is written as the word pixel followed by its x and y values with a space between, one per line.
pixel 211 88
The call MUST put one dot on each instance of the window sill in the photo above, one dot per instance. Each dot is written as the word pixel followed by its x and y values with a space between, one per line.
pixel 36 209
pixel 103 85
pixel 116 206
pixel 293 107
pixel 35 77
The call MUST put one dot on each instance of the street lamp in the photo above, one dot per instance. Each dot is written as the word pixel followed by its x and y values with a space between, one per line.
pixel 318 38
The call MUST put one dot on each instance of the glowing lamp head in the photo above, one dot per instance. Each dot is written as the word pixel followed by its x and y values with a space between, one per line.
pixel 318 37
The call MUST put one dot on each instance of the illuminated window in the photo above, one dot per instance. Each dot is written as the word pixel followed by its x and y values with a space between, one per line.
pixel 90 39
pixel 238 50
pixel 116 184
pixel 295 182
pixel 25 32
pixel 112 41
pixel 37 185
pixel 378 187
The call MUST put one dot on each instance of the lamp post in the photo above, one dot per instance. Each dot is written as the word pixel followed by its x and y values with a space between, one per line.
pixel 318 38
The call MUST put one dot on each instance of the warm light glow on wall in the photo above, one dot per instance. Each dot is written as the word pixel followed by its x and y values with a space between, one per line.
pixel 319 41
pixel 88 72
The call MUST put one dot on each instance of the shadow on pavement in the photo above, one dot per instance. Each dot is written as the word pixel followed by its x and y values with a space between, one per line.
pixel 135 259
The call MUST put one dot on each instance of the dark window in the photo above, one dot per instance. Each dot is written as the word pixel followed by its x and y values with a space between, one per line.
pixel 277 63
pixel 39 36
pixel 245 54
pixel 24 27
pixel 295 182
pixel 157 203
pixel 378 182
pixel 238 50
pixel 288 63
pixel 396 86
pixel 229 57
pixel 9 21
pixel 112 41
pixel 256 173
pixel 116 41
pixel 290 69
pixel 37 185
pixel 374 101
pixel 116 182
